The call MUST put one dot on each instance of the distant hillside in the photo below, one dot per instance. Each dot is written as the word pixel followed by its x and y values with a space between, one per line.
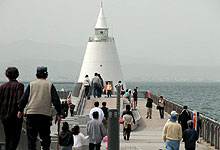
pixel 64 63
pixel 58 70
pixel 27 49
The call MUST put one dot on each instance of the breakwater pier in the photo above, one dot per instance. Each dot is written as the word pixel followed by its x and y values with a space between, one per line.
pixel 147 134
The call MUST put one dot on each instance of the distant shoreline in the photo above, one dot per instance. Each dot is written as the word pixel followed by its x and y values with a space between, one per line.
pixel 68 82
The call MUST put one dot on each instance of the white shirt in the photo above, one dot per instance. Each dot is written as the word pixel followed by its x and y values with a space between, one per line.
pixel 86 81
pixel 78 138
pixel 99 110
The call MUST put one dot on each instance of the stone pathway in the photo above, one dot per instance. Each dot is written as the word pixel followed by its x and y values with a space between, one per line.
pixel 148 135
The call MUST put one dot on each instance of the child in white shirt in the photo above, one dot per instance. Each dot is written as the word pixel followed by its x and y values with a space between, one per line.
pixel 78 137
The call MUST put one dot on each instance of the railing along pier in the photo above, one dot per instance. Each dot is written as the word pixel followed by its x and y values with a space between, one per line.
pixel 210 128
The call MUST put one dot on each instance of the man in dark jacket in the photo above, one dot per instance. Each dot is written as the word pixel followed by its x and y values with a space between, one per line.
pixel 10 93
pixel 149 107
pixel 184 117
pixel 128 111
pixel 105 111
pixel 135 97
pixel 190 136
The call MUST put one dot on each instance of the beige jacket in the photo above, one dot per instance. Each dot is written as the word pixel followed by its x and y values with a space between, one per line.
pixel 172 130
pixel 127 120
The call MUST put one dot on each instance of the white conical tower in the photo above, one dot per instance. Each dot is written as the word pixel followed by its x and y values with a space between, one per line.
pixel 101 55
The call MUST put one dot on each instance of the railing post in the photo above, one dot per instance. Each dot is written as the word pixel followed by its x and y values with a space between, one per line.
pixel 113 130
pixel 208 132
pixel 212 134
pixel 216 136
pixel 205 130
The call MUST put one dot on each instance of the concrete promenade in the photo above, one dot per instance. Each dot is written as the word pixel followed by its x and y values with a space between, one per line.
pixel 148 135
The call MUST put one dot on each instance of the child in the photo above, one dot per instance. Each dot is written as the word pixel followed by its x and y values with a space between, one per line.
pixel 66 138
pixel 190 136
pixel 78 137
pixel 105 139
pixel 109 89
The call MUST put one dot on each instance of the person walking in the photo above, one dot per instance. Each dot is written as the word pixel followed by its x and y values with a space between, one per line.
pixel 190 136
pixel 87 86
pixel 39 97
pixel 121 86
pixel 127 125
pixel 149 107
pixel 96 131
pixel 105 111
pixel 66 108
pixel 99 110
pixel 96 83
pixel 100 89
pixel 128 110
pixel 161 105
pixel 78 138
pixel 72 106
pixel 172 133
pixel 66 137
pixel 109 89
pixel 10 93
pixel 135 97
pixel 184 116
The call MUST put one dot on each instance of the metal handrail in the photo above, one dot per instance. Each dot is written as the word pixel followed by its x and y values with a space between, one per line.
pixel 210 128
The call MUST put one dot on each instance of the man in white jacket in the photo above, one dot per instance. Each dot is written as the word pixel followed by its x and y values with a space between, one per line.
pixel 99 110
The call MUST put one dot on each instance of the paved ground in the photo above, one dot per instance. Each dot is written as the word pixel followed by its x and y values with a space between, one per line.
pixel 148 135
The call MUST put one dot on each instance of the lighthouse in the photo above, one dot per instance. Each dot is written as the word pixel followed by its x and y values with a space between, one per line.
pixel 101 55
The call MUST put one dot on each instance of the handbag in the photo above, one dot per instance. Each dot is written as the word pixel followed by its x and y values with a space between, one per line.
pixel 158 107
pixel 121 121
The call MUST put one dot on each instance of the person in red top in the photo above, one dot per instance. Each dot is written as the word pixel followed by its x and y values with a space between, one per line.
pixel 10 93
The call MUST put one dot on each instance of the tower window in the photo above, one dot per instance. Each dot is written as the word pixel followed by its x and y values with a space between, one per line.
pixel 101 32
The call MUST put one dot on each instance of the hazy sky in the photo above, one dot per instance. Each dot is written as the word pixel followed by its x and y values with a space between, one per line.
pixel 170 32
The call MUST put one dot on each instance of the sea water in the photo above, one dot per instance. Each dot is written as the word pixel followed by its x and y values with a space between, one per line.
pixel 201 96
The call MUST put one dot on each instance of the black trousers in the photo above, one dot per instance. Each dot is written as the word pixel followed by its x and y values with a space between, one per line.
pixel 12 128
pixel 87 90
pixel 127 132
pixel 38 124
pixel 96 146
pixel 161 109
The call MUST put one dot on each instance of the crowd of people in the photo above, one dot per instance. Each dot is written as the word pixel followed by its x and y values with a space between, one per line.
pixel 36 101
pixel 179 127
